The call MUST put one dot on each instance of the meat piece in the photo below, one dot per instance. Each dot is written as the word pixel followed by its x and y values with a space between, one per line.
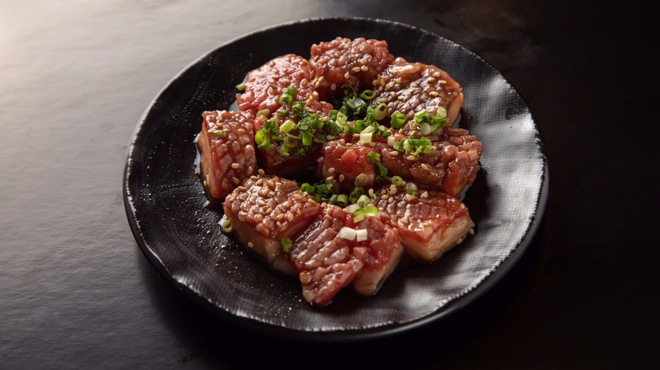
pixel 328 261
pixel 347 164
pixel 411 87
pixel 287 154
pixel 227 155
pixel 265 85
pixel 451 165
pixel 430 223
pixel 343 61
pixel 267 209
pixel 380 255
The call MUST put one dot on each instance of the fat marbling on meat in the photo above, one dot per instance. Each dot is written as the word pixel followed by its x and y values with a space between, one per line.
pixel 329 262
pixel 412 87
pixel 226 151
pixel 353 62
pixel 430 223
pixel 266 209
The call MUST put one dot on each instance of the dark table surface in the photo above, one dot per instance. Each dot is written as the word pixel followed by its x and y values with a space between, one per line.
pixel 77 292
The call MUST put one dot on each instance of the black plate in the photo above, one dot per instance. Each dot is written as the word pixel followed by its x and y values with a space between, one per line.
pixel 179 234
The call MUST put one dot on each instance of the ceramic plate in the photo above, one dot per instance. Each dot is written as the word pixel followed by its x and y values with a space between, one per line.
pixel 179 233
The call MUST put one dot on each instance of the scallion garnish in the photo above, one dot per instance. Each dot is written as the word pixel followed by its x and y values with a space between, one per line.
pixel 218 132
pixel 287 245
pixel 262 139
pixel 398 120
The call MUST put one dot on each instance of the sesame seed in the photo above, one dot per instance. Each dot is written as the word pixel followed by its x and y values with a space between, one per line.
pixel 235 166
pixel 347 75
pixel 235 180
pixel 333 87
pixel 355 69
pixel 425 194
pixel 341 177
pixel 250 244
pixel 364 68
pixel 261 172
pixel 442 82
pixel 393 153
pixel 410 157
pixel 331 170
pixel 289 217
pixel 434 93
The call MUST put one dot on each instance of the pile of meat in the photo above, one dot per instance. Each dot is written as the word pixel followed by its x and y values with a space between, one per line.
pixel 336 166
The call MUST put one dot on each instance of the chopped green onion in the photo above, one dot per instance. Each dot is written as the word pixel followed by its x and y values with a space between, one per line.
pixel 264 112
pixel 240 87
pixel 398 120
pixel 361 180
pixel 365 138
pixel 287 126
pixel 363 200
pixel 282 112
pixel 218 132
pixel 367 95
pixel 306 138
pixel 286 99
pixel 262 139
pixel 397 181
pixel 381 172
pixel 290 141
pixel 442 112
pixel 411 188
pixel 291 91
pixel 308 188
pixel 342 200
pixel 287 245
pixel 355 194
pixel 419 116
pixel 373 157
pixel 226 226
pixel 381 111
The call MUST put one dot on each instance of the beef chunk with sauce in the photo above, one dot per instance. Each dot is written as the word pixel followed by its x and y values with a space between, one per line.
pixel 412 87
pixel 343 61
pixel 227 153
pixel 430 223
pixel 267 209
pixel 336 251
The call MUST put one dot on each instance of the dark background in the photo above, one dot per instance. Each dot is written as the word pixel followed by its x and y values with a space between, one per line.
pixel 76 291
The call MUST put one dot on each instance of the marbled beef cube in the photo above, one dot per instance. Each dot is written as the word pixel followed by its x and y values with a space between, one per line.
pixel 429 223
pixel 343 61
pixel 226 150
pixel 336 251
pixel 412 87
pixel 264 86
pixel 264 211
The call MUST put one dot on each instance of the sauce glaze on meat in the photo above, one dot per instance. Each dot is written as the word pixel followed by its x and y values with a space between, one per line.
pixel 336 167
